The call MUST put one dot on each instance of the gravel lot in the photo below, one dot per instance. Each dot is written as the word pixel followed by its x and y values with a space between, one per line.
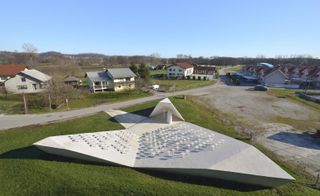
pixel 257 109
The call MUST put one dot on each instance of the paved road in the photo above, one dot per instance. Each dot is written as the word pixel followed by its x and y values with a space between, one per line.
pixel 13 121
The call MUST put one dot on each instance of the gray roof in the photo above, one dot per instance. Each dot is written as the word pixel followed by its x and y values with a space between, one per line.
pixel 268 65
pixel 71 79
pixel 36 75
pixel 121 73
pixel 98 76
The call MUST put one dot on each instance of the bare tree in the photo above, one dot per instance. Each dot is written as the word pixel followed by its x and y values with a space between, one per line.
pixel 30 51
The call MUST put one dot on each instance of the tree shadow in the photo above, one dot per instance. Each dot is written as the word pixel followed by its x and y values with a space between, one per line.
pixel 33 153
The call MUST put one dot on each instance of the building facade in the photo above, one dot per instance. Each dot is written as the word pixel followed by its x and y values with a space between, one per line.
pixel 28 81
pixel 179 70
pixel 114 79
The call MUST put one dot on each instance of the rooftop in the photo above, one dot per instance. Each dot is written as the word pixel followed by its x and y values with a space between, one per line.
pixel 121 73
pixel 184 65
pixel 97 76
pixel 11 69
pixel 36 75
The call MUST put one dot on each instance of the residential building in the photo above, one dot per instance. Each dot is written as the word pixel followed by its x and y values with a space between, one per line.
pixel 28 81
pixel 203 73
pixel 8 71
pixel 275 78
pixel 287 75
pixel 72 81
pixel 180 70
pixel 115 79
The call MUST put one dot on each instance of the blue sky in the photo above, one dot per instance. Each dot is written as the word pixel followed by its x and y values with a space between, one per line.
pixel 167 27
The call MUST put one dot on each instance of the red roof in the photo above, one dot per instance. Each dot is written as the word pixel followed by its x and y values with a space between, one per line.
pixel 204 70
pixel 184 65
pixel 11 69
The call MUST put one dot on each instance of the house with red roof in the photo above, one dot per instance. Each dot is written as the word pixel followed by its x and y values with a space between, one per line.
pixel 8 71
pixel 180 70
pixel 203 72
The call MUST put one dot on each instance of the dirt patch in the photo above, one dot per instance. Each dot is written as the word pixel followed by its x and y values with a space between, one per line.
pixel 258 107
pixel 272 122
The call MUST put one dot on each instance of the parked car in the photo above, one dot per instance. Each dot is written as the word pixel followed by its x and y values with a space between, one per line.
pixel 260 87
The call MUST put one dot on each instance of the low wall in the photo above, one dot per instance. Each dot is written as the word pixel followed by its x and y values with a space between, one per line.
pixel 309 96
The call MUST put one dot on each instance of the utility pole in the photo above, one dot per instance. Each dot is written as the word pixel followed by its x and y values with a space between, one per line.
pixel 50 102
pixel 25 103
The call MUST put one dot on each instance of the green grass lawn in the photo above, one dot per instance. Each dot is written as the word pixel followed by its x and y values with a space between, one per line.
pixel 236 68
pixel 24 170
pixel 179 85
pixel 158 72
pixel 105 97
pixel 13 104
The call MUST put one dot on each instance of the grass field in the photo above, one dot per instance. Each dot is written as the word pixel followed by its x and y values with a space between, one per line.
pixel 13 104
pixel 179 85
pixel 24 170
pixel 233 68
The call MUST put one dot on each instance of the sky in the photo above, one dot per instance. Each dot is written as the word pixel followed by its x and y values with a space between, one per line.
pixel 168 27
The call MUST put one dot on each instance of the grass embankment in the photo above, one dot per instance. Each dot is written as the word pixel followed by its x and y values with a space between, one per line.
pixel 287 93
pixel 312 123
pixel 28 171
pixel 13 104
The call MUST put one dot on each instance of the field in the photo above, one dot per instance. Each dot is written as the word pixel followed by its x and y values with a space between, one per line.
pixel 233 68
pixel 168 85
pixel 24 170
pixel 37 103
pixel 179 85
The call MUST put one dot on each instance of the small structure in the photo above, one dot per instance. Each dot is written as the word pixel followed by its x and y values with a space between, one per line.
pixel 166 110
pixel 179 70
pixel 72 81
pixel 115 79
pixel 172 146
pixel 8 71
pixel 28 81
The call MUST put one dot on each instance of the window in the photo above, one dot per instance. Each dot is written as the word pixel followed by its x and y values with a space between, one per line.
pixel 22 87
pixel 35 86
pixel 169 69
pixel 23 79
pixel 97 83
pixel 180 70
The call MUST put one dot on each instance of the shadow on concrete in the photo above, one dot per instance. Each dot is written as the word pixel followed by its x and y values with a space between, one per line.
pixel 145 112
pixel 219 183
pixel 304 140
pixel 33 153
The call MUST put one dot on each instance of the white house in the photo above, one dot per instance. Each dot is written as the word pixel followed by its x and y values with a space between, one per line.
pixel 28 81
pixel 115 79
pixel 179 70
pixel 276 78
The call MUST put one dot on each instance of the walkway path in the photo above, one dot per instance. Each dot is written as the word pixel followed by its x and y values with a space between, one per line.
pixel 13 121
